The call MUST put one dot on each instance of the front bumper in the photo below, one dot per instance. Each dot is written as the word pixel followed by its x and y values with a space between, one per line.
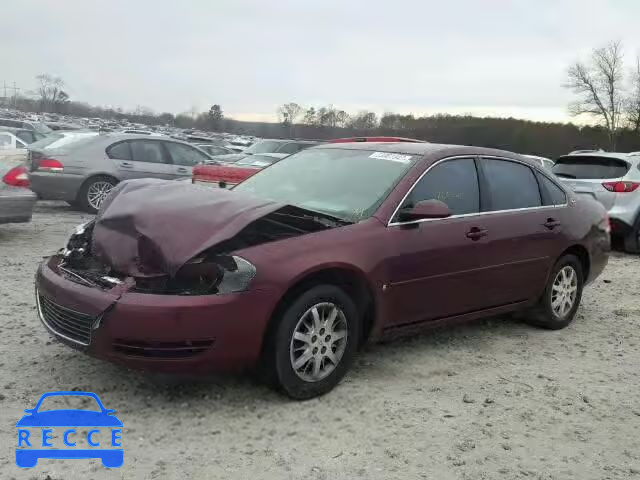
pixel 164 333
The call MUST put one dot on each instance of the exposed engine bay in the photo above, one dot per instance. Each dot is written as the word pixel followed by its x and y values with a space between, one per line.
pixel 213 271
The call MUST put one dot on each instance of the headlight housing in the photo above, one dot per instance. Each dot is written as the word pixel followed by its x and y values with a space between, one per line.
pixel 238 279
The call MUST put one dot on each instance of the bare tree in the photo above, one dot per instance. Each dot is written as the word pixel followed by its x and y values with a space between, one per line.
pixel 310 117
pixel 632 107
pixel 288 113
pixel 599 86
pixel 50 92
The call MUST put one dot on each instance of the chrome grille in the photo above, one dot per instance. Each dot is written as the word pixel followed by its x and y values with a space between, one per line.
pixel 64 322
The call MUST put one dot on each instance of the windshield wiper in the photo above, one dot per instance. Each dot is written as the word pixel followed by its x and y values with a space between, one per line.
pixel 565 175
pixel 323 219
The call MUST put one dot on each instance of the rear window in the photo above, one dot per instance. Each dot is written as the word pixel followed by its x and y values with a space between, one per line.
pixel 61 140
pixel 590 167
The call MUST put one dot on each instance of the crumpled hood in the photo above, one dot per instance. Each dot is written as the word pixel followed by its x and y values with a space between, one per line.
pixel 152 227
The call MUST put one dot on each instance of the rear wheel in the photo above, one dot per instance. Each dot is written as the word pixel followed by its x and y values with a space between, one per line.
pixel 561 299
pixel 314 342
pixel 632 239
pixel 94 191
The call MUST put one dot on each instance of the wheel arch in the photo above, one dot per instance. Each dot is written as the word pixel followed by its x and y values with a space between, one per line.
pixel 347 277
pixel 93 175
pixel 582 254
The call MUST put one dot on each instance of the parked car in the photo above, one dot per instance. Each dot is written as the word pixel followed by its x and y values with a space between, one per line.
pixel 12 148
pixel 226 175
pixel 214 150
pixel 284 147
pixel 323 251
pixel 27 136
pixel 82 169
pixel 57 126
pixel 16 200
pixel 35 126
pixel 612 179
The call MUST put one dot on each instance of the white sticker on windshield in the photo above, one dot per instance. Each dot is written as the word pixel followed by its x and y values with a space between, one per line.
pixel 394 157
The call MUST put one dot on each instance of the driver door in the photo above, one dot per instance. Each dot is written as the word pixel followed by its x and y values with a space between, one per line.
pixel 438 268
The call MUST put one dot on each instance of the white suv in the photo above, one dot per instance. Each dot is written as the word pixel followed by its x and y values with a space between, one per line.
pixel 614 180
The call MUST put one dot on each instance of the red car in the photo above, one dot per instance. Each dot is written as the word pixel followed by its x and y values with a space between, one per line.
pixel 304 262
pixel 228 175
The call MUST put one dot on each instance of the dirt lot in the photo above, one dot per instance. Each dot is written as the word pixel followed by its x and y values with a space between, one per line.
pixel 492 400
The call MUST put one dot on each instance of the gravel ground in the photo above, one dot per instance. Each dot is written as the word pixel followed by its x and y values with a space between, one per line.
pixel 490 400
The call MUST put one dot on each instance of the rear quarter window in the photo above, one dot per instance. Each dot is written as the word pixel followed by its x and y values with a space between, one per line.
pixel 590 167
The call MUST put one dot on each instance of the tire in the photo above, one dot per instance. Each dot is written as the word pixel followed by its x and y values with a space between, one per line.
pixel 282 350
pixel 632 239
pixel 99 182
pixel 544 314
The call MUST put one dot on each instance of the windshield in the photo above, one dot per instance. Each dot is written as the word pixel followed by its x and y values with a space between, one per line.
pixel 41 128
pixel 263 147
pixel 347 184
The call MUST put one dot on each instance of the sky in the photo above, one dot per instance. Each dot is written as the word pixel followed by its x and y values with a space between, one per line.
pixel 484 57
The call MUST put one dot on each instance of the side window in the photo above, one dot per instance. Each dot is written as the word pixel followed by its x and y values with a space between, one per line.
pixel 552 194
pixel 26 136
pixel 510 185
pixel 454 182
pixel 5 140
pixel 147 151
pixel 291 148
pixel 185 155
pixel 119 151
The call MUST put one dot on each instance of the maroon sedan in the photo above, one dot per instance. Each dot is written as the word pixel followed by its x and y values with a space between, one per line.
pixel 334 246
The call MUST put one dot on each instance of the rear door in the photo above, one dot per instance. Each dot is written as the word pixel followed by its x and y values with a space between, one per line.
pixel 141 159
pixel 585 174
pixel 524 230
pixel 184 158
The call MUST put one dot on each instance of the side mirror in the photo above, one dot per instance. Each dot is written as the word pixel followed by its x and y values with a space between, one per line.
pixel 424 210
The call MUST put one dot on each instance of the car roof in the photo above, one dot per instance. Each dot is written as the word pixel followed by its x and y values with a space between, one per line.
pixel 425 149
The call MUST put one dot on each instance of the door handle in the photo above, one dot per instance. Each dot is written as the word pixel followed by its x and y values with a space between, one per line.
pixel 551 223
pixel 182 170
pixel 477 233
pixel 126 164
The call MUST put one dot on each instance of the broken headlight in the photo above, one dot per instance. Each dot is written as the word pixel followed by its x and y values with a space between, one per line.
pixel 238 279
pixel 80 241
pixel 220 274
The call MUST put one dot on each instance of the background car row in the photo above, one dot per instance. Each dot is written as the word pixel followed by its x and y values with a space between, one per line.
pixel 81 166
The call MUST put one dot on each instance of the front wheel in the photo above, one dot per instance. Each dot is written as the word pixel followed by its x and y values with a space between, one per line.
pixel 561 299
pixel 314 343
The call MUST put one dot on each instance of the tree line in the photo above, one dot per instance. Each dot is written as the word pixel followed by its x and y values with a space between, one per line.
pixel 606 93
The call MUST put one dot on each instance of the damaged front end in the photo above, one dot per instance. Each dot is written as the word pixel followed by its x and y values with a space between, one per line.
pixel 149 238
pixel 207 274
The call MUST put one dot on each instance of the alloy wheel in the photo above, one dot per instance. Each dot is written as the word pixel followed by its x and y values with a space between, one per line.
pixel 319 341
pixel 97 192
pixel 564 291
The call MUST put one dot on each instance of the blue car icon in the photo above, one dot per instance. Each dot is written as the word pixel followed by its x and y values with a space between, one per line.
pixel 105 419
